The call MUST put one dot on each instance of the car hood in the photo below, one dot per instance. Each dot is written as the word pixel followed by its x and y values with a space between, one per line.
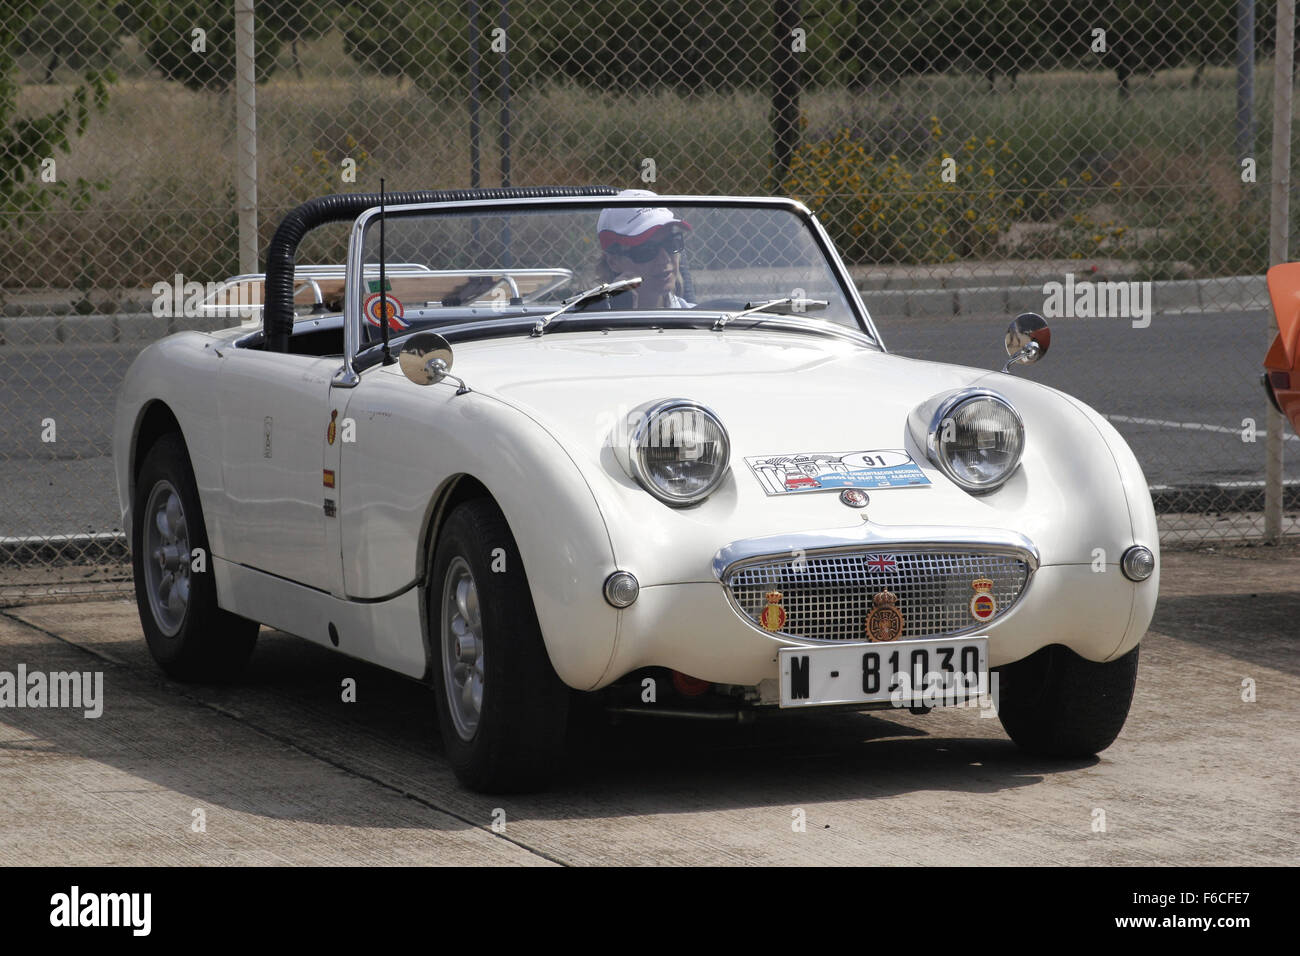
pixel 775 392
pixel 785 394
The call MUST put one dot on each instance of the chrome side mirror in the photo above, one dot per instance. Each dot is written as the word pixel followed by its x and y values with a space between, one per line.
pixel 426 359
pixel 1027 339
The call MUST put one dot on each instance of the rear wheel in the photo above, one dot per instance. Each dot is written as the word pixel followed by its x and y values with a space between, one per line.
pixel 501 708
pixel 189 636
pixel 1058 704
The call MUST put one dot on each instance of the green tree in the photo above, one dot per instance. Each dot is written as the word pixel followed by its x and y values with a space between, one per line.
pixel 297 20
pixel 618 45
pixel 992 37
pixel 193 42
pixel 27 140
pixel 73 33
pixel 1142 37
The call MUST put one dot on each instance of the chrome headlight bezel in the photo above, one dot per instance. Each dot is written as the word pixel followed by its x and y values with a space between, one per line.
pixel 638 467
pixel 946 408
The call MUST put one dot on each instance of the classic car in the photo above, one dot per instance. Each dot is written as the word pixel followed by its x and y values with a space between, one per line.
pixel 574 468
pixel 1282 362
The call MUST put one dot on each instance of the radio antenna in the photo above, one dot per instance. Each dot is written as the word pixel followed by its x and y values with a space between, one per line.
pixel 383 281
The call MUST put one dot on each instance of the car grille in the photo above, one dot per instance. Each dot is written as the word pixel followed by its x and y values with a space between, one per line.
pixel 827 597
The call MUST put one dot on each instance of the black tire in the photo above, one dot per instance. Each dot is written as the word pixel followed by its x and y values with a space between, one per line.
pixel 202 643
pixel 517 737
pixel 1057 704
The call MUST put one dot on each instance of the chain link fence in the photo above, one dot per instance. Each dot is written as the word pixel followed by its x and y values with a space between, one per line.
pixel 1106 162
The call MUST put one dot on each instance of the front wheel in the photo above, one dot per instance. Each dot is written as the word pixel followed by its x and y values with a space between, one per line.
pixel 1057 704
pixel 501 707
pixel 189 635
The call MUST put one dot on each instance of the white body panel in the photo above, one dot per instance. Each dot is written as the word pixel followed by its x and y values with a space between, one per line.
pixel 382 632
pixel 535 431
pixel 273 450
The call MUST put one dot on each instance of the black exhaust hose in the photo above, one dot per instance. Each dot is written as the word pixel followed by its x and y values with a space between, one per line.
pixel 277 311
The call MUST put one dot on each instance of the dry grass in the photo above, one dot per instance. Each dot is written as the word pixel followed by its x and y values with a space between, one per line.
pixel 167 152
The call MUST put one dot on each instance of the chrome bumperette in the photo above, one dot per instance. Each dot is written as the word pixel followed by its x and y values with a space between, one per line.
pixel 827 581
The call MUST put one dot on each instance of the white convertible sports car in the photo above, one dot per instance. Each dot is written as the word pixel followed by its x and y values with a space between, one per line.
pixel 671 463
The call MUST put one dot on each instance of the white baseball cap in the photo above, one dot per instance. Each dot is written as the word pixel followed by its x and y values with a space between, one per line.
pixel 633 225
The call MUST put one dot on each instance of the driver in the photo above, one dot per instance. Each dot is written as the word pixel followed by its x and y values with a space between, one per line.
pixel 645 241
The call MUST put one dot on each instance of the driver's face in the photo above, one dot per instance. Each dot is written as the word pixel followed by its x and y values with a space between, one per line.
pixel 658 275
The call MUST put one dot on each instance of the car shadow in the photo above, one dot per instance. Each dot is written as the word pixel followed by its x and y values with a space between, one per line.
pixel 289 703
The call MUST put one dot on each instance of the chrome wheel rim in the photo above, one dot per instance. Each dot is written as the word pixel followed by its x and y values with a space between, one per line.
pixel 166 557
pixel 462 648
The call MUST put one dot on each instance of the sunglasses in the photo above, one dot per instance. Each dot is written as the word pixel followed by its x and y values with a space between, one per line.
pixel 673 244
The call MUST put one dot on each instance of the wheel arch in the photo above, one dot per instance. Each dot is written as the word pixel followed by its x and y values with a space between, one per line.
pixel 154 420
pixel 454 491
pixel 571 632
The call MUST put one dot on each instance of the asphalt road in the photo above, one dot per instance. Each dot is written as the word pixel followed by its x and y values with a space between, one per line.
pixel 1180 390
pixel 279 770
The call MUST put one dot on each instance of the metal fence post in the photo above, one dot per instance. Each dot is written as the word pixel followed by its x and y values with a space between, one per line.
pixel 1245 78
pixel 475 95
pixel 1278 236
pixel 505 94
pixel 246 136
pixel 786 81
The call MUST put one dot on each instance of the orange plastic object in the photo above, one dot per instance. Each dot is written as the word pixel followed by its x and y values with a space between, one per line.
pixel 1284 293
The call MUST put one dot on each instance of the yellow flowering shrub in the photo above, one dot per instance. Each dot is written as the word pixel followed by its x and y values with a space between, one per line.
pixel 956 205
pixel 324 174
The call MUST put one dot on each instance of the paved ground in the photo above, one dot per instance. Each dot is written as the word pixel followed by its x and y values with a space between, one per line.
pixel 284 772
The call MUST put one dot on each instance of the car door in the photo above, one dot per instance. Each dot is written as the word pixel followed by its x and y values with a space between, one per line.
pixel 274 412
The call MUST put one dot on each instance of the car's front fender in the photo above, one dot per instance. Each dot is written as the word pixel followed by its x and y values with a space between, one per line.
pixel 410 442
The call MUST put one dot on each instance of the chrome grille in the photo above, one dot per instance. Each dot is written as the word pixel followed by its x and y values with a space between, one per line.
pixel 827 597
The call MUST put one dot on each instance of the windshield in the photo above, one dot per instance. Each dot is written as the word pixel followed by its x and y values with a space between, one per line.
pixel 693 259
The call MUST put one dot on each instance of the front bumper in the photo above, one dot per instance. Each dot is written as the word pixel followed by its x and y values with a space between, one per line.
pixel 696 629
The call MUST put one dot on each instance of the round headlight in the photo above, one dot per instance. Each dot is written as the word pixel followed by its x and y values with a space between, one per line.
pixel 679 451
pixel 976 439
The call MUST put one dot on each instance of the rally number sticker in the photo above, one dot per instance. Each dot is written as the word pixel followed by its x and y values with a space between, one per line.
pixel 821 471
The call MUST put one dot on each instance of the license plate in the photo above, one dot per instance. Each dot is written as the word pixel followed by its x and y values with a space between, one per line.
pixel 929 673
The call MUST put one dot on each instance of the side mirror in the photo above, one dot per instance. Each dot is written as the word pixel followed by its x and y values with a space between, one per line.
pixel 426 359
pixel 1027 339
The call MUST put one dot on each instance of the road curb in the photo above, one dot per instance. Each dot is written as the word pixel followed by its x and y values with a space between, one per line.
pixel 113 329
pixel 62 548
pixel 1174 297
pixel 1168 298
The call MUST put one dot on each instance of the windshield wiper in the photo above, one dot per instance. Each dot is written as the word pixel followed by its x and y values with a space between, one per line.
pixel 801 305
pixel 602 291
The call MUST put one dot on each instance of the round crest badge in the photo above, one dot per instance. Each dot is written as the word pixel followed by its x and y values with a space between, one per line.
pixel 982 605
pixel 885 622
pixel 855 497
pixel 773 616
pixel 392 306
